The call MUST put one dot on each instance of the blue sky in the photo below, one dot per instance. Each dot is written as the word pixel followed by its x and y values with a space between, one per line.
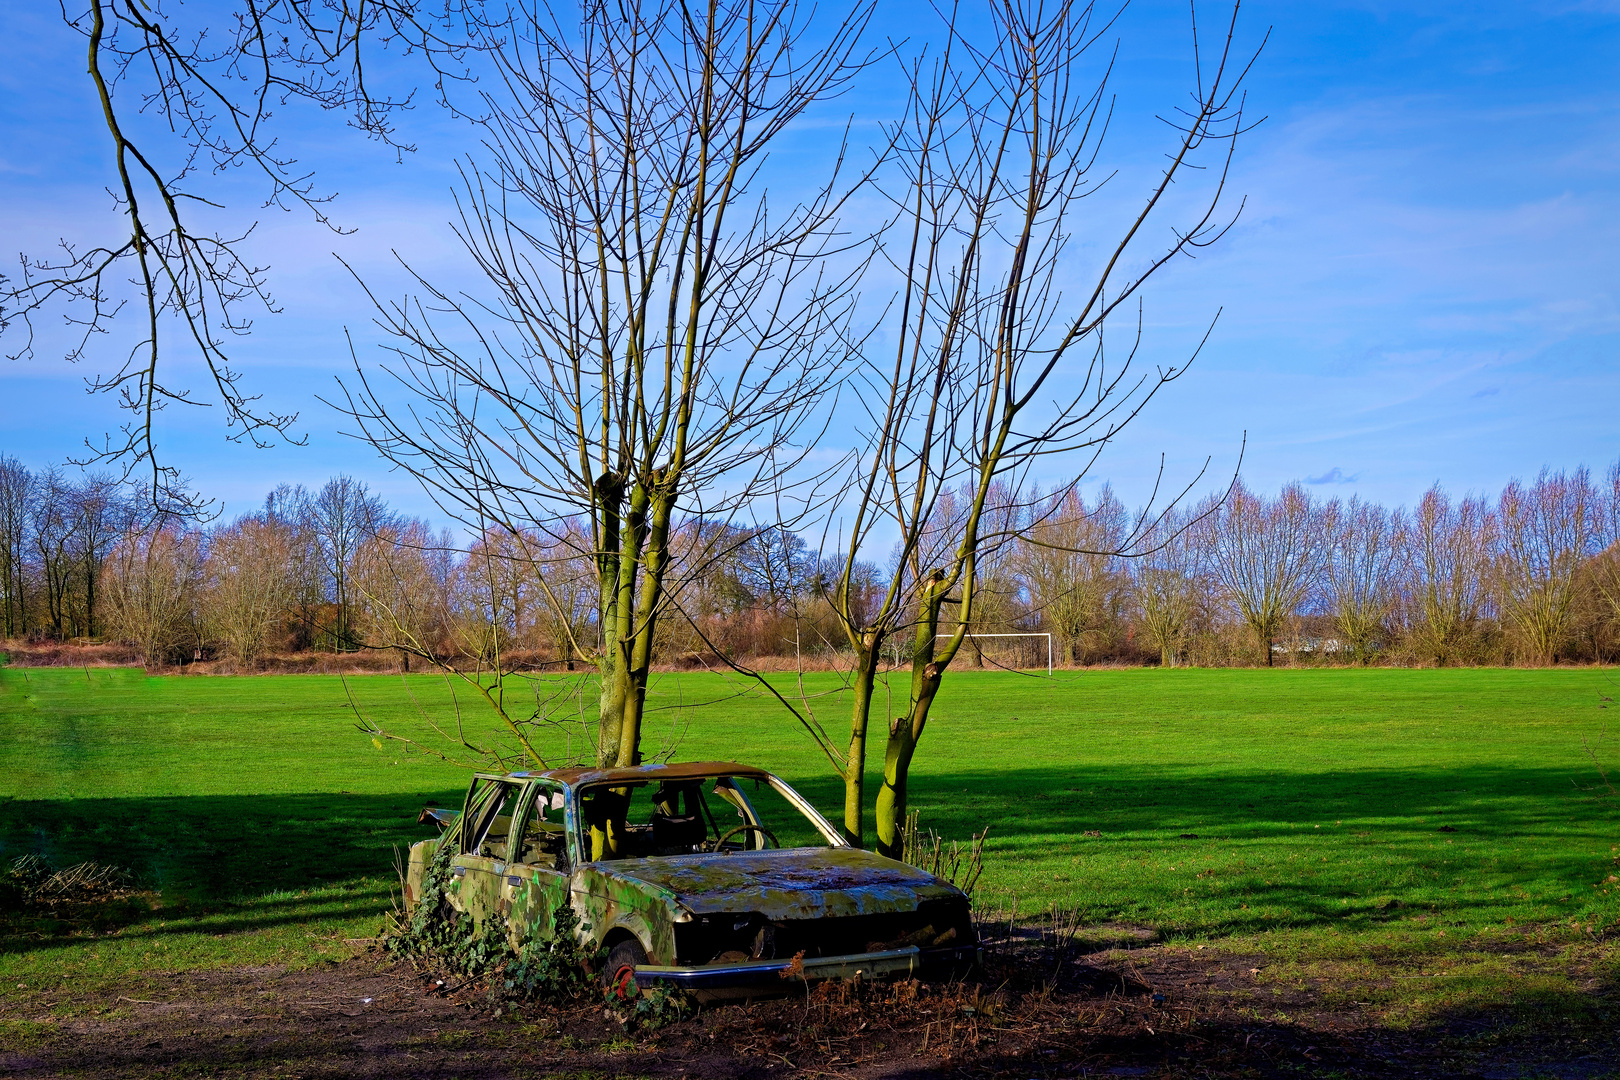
pixel 1423 285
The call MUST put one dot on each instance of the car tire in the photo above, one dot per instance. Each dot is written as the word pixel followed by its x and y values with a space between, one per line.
pixel 618 974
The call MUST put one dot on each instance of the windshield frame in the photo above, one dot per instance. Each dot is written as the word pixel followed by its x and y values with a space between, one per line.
pixel 579 830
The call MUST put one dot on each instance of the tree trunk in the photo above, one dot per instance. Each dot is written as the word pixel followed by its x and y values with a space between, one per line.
pixel 889 809
pixel 866 662
pixel 904 732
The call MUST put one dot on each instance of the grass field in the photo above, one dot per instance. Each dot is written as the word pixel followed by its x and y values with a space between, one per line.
pixel 1348 822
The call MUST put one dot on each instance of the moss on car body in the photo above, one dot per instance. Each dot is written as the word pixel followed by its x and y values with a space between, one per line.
pixel 646 860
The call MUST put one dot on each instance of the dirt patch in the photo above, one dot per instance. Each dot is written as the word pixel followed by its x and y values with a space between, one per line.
pixel 1158 1010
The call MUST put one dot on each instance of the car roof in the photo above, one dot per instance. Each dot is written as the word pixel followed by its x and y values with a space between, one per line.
pixel 684 770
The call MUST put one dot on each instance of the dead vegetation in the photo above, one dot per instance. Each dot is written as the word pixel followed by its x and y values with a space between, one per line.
pixel 79 653
pixel 31 882
pixel 45 653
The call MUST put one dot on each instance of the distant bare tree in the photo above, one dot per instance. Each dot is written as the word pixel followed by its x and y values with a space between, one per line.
pixel 16 508
pixel 150 586
pixel 1362 577
pixel 776 567
pixel 1069 563
pixel 288 507
pixel 1606 576
pixel 397 573
pixel 248 589
pixel 1450 565
pixel 524 589
pixel 1267 554
pixel 1547 531
pixel 340 516
pixel 1000 602
pixel 102 514
pixel 1165 579
pixel 51 525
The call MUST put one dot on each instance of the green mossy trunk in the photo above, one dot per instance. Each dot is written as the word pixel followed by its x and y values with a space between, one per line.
pixel 632 577
pixel 866 662
pixel 889 809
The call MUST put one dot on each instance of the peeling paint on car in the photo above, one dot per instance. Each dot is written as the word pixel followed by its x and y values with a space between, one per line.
pixel 792 884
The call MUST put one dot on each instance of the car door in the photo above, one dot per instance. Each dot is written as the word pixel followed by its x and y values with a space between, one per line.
pixel 478 869
pixel 535 882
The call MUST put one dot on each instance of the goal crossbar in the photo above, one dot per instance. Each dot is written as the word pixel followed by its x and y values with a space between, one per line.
pixel 1048 638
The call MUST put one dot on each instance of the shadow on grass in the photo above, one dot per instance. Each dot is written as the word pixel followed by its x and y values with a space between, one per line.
pixel 219 864
pixel 1342 849
pixel 214 848
pixel 1178 849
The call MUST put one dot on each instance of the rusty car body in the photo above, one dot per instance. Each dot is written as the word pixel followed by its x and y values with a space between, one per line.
pixel 706 876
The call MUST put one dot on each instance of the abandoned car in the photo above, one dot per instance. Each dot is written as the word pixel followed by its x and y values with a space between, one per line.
pixel 705 876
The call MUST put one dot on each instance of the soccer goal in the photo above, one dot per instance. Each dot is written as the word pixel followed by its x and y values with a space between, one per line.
pixel 1015 652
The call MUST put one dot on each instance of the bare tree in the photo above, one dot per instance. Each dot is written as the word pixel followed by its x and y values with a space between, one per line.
pixel 995 155
pixel 150 589
pixel 287 506
pixel 1267 554
pixel 653 333
pixel 568 606
pixel 248 586
pixel 515 576
pixel 740 591
pixel 1547 531
pixel 1363 572
pixel 102 514
pixel 1606 572
pixel 1450 565
pixel 399 572
pixel 998 592
pixel 209 89
pixel 1165 580
pixel 776 567
pixel 16 507
pixel 1069 564
pixel 51 526
pixel 339 517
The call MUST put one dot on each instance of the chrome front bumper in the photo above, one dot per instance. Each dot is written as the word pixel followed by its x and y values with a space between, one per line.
pixel 873 965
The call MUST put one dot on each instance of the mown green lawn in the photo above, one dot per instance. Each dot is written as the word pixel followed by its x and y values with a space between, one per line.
pixel 266 821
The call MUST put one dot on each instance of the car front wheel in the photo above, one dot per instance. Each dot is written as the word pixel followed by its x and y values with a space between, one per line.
pixel 619 973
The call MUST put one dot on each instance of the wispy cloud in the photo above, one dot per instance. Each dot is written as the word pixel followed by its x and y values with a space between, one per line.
pixel 1334 475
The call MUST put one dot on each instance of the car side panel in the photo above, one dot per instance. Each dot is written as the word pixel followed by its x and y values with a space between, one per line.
pixel 416 870
pixel 475 885
pixel 608 903
pixel 529 895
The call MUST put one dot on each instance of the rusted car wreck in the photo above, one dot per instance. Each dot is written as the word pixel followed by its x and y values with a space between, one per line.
pixel 705 876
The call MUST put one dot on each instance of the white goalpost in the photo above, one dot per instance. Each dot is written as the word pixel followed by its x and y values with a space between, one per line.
pixel 1048 638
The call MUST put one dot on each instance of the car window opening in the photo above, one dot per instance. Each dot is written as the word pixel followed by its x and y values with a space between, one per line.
pixel 688 817
pixel 544 841
pixel 487 822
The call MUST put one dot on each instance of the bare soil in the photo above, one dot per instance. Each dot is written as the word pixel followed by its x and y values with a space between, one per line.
pixel 1157 1010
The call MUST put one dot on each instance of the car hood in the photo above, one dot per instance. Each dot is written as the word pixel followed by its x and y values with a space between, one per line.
pixel 797 883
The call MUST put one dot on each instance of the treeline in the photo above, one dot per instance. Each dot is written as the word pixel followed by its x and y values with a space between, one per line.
pixel 1529 577
pixel 85 558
